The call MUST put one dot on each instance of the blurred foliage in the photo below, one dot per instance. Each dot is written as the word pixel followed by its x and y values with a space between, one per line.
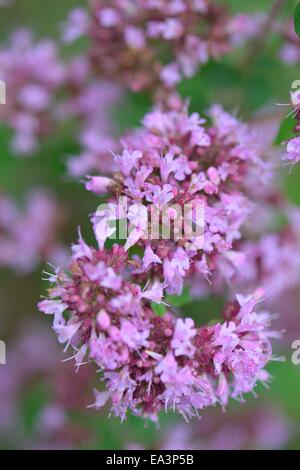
pixel 297 19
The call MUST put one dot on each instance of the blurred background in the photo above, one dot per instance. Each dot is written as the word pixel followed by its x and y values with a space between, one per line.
pixel 43 402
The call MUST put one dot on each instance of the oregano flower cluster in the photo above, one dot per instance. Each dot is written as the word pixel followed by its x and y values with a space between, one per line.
pixel 103 308
pixel 150 44
pixel 150 362
pixel 176 161
pixel 211 168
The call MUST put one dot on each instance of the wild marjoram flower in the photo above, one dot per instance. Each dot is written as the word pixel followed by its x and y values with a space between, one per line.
pixel 175 159
pixel 132 39
pixel 103 308
pixel 152 362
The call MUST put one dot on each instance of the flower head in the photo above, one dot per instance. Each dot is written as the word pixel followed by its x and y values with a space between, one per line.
pixel 130 39
pixel 149 362
pixel 188 190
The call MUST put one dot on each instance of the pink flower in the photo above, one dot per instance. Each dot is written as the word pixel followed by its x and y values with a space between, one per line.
pixel 289 51
pixel 180 167
pixel 134 37
pixel 98 184
pixel 293 151
pixel 111 280
pixel 34 97
pixel 101 399
pixel 128 160
pixel 181 343
pixel 65 333
pixel 104 223
pixel 175 270
pixel 103 320
pixel 159 196
pixel 170 75
pixel 52 306
pixel 150 257
pixel 132 337
pixel 108 17
pixel 76 25
pixel 81 249
pixel 172 29
pixel 119 32
pixel 243 27
pixel 154 293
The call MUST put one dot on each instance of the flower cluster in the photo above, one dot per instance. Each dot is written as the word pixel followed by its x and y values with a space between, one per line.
pixel 33 73
pixel 152 362
pixel 244 27
pixel 149 44
pixel 176 165
pixel 28 236
pixel 179 191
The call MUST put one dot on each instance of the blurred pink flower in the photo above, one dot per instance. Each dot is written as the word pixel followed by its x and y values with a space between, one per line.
pixel 34 74
pixel 127 39
pixel 28 235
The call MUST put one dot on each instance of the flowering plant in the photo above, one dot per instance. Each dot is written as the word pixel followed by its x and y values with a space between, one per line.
pixel 153 131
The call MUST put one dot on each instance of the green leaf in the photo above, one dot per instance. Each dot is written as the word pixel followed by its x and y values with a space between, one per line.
pixel 158 309
pixel 173 300
pixel 286 130
pixel 297 19
pixel 213 322
pixel 179 300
